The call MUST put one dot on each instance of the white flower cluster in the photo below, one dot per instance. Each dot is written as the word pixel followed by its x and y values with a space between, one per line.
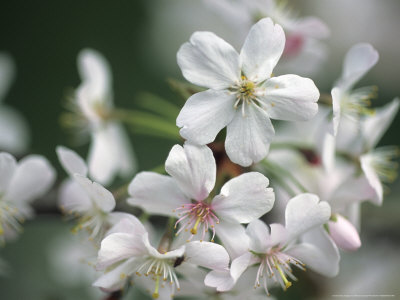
pixel 218 240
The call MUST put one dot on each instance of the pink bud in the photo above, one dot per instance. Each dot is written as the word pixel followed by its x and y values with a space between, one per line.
pixel 344 234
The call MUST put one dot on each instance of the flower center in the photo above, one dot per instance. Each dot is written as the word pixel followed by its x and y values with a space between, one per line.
pixel 10 218
pixel 276 264
pixel 382 160
pixel 358 102
pixel 199 216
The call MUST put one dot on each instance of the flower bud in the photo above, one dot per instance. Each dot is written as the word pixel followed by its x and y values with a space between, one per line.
pixel 344 234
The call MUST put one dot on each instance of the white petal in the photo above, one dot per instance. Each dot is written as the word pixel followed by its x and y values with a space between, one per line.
pixel 115 279
pixel 97 193
pixel 233 237
pixel 336 99
pixel 222 280
pixel 204 115
pixel 8 166
pixel 358 61
pixel 312 27
pixel 14 131
pixel 372 177
pixel 32 179
pixel 73 198
pixel 7 71
pixel 259 235
pixel 95 73
pixel 207 254
pixel 244 198
pixel 71 161
pixel 194 169
pixel 207 60
pixel 248 137
pixel 164 255
pixel 262 49
pixel 375 126
pixel 318 252
pixel 291 98
pixel 128 224
pixel 118 246
pixel 156 194
pixel 304 212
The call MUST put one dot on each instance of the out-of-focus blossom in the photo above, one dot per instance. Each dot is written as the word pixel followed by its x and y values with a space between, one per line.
pixel 275 248
pixel 187 194
pixel 304 52
pixel 127 251
pixel 347 102
pixel 14 133
pixel 110 153
pixel 20 184
pixel 242 94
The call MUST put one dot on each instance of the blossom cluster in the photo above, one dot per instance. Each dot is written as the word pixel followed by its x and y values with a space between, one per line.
pixel 253 205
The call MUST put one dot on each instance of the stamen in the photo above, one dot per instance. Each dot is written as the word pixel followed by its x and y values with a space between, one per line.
pixel 156 294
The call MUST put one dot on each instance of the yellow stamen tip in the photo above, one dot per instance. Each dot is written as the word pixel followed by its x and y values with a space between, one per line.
pixel 155 295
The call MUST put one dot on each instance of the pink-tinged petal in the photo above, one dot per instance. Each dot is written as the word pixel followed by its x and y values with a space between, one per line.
pixel 119 246
pixel 336 99
pixel 244 198
pixel 318 252
pixel 128 224
pixel 259 235
pixel 96 75
pixel 358 61
pixel 311 27
pixel 156 194
pixel 73 198
pixel 8 165
pixel 115 279
pixel 205 114
pixel 97 193
pixel 194 169
pixel 305 212
pixel 208 255
pixel 71 161
pixel 372 177
pixel 262 49
pixel 291 98
pixel 344 234
pixel 207 60
pixel 233 237
pixel 248 136
pixel 375 126
pixel 32 178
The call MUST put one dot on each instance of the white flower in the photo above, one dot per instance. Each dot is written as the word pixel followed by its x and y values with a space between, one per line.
pixel 14 133
pixel 242 94
pixel 304 52
pixel 187 194
pixel 20 184
pixel 275 250
pixel 110 152
pixel 87 200
pixel 346 101
pixel 127 251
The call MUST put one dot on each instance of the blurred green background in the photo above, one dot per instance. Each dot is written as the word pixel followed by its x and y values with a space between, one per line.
pixel 140 39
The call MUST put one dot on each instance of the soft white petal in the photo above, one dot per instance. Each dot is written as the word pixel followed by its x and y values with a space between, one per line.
pixel 208 255
pixel 8 165
pixel 205 114
pixel 118 246
pixel 156 193
pixel 305 212
pixel 128 224
pixel 336 99
pixel 221 280
pixel 71 161
pixel 233 237
pixel 291 98
pixel 318 252
pixel 194 169
pixel 248 137
pixel 372 177
pixel 97 193
pixel 262 49
pixel 115 279
pixel 32 179
pixel 164 255
pixel 207 60
pixel 14 131
pixel 73 198
pixel 244 198
pixel 311 27
pixel 328 151
pixel 358 61
pixel 95 73
pixel 259 235
pixel 375 126
pixel 7 72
